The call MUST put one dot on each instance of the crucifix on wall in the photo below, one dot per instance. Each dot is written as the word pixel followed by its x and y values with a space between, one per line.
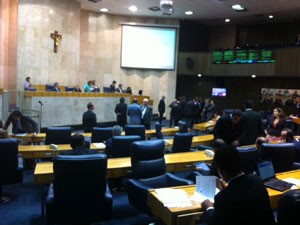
pixel 56 37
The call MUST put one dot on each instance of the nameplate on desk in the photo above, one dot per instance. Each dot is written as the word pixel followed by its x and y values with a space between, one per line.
pixel 21 135
pixel 100 145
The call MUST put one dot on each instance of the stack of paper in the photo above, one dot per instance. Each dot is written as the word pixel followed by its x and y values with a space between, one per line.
pixel 173 197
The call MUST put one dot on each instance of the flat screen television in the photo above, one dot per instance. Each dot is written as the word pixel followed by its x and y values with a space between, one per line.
pixel 148 47
pixel 219 92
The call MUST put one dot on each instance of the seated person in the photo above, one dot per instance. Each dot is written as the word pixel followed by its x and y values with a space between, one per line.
pixel 3 134
pixel 56 87
pixel 94 87
pixel 78 146
pixel 88 86
pixel 77 88
pixel 21 123
pixel 276 123
pixel 182 127
pixel 128 90
pixel 117 131
pixel 27 85
pixel 244 200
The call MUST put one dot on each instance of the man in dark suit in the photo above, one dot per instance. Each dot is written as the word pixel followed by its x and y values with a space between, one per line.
pixel 120 88
pixel 117 131
pixel 251 125
pixel 89 119
pixel 161 108
pixel 244 201
pixel 146 116
pixel 21 123
pixel 228 128
pixel 134 113
pixel 78 146
pixel 175 114
pixel 56 87
pixel 113 87
pixel 121 111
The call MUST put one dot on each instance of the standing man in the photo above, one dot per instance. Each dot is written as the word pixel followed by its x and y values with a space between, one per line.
pixel 161 108
pixel 121 111
pixel 21 123
pixel 89 119
pixel 113 87
pixel 146 111
pixel 134 113
pixel 251 125
pixel 175 112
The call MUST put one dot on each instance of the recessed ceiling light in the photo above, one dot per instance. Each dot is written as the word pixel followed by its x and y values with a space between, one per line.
pixel 132 8
pixel 253 75
pixel 227 20
pixel 271 16
pixel 199 75
pixel 189 13
pixel 238 7
pixel 104 10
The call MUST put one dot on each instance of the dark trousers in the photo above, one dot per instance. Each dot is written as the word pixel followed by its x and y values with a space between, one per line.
pixel 147 126
pixel 160 117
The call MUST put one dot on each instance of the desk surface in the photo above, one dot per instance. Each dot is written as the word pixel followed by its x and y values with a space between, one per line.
pixel 120 167
pixel 169 215
pixel 205 125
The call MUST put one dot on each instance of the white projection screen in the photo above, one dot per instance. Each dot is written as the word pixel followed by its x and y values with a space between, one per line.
pixel 148 47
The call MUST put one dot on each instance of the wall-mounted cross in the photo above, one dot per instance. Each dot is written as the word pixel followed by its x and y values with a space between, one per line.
pixel 56 37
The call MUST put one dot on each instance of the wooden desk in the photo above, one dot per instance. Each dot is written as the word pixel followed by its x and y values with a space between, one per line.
pixel 187 215
pixel 44 151
pixel 120 167
pixel 296 120
pixel 204 126
pixel 40 137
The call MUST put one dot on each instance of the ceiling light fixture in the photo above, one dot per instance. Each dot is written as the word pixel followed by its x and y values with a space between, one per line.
pixel 238 7
pixel 132 8
pixel 189 13
pixel 104 10
pixel 271 16
pixel 199 75
pixel 253 76
pixel 227 20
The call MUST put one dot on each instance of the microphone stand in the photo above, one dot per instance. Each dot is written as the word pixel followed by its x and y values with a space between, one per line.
pixel 40 117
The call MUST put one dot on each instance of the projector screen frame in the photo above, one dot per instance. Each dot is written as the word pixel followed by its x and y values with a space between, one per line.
pixel 159 26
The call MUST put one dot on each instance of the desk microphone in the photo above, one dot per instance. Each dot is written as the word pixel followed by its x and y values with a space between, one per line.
pixel 41 103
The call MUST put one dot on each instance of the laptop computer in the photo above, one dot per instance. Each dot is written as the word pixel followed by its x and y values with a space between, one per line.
pixel 267 175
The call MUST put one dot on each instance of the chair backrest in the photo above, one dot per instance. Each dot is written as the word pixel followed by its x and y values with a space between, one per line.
pixel 70 88
pixel 121 145
pixel 183 128
pixel 58 135
pixel 282 155
pixel 249 158
pixel 106 89
pixel 136 130
pixel 289 208
pixel 158 132
pixel 30 89
pixel 147 159
pixel 79 184
pixel 101 134
pixel 49 87
pixel 9 173
pixel 182 142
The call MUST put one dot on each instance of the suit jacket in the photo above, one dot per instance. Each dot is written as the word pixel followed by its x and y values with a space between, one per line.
pixel 120 90
pixel 147 118
pixel 226 130
pixel 161 106
pixel 78 151
pixel 244 201
pixel 24 125
pixel 251 126
pixel 89 120
pixel 275 131
pixel 56 89
pixel 134 114
pixel 210 111
pixel 121 110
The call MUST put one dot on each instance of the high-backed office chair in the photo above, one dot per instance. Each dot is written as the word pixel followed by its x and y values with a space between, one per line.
pixel 70 89
pixel 11 165
pixel 121 145
pixel 49 87
pixel 58 135
pixel 282 155
pixel 106 90
pixel 30 89
pixel 182 126
pixel 135 130
pixel 79 193
pixel 101 134
pixel 288 212
pixel 182 142
pixel 149 171
pixel 249 158
pixel 158 132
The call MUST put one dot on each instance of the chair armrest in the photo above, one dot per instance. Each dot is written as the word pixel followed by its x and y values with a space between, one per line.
pixel 177 181
pixel 20 162
pixel 108 195
pixel 50 195
pixel 296 165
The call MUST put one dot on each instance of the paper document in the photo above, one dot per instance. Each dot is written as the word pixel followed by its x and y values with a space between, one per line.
pixel 205 188
pixel 174 197
pixel 21 135
pixel 293 181
pixel 100 145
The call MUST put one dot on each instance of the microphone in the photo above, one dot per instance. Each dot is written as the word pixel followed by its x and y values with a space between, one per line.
pixel 41 103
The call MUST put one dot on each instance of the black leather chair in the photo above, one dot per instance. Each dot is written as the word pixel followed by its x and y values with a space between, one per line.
pixel 49 87
pixel 149 171
pixel 70 89
pixel 101 134
pixel 121 145
pixel 282 155
pixel 182 126
pixel 249 158
pixel 58 135
pixel 106 90
pixel 135 130
pixel 11 165
pixel 289 208
pixel 79 193
pixel 182 142
pixel 158 132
